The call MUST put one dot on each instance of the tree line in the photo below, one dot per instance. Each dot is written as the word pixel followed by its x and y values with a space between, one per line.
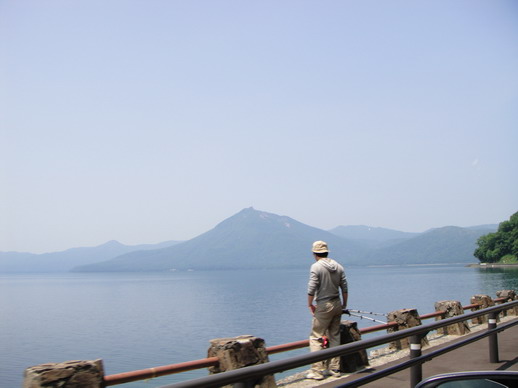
pixel 501 246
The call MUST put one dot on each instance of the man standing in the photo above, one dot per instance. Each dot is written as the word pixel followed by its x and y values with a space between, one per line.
pixel 326 279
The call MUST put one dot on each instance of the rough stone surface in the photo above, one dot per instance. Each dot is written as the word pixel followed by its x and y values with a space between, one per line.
pixel 452 308
pixel 239 352
pixel 349 333
pixel 70 374
pixel 509 295
pixel 405 318
pixel 483 301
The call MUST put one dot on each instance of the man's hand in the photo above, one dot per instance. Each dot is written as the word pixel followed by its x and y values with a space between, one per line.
pixel 310 304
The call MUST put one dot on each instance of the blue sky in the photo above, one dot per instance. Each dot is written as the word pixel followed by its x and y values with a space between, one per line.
pixel 146 121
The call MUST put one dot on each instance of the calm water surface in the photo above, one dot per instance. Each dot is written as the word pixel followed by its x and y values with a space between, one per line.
pixel 137 321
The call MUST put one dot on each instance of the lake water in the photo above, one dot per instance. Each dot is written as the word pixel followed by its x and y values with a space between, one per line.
pixel 140 320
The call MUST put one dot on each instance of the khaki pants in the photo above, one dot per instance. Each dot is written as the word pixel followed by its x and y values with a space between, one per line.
pixel 326 321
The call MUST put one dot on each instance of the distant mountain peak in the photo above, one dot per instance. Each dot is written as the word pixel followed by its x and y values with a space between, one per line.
pixel 363 232
pixel 444 229
pixel 111 243
pixel 249 239
pixel 258 214
pixel 250 216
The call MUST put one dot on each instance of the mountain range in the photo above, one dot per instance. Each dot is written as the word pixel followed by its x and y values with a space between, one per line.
pixel 64 261
pixel 254 239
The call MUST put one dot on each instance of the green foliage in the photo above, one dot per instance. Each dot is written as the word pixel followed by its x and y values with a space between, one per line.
pixel 493 247
pixel 509 259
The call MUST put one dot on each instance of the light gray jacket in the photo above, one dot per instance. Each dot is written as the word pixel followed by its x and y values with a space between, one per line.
pixel 326 278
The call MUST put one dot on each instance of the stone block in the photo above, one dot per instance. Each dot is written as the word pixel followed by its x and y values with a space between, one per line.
pixel 239 352
pixel 70 374
pixel 353 362
pixel 451 308
pixel 509 295
pixel 405 318
pixel 483 301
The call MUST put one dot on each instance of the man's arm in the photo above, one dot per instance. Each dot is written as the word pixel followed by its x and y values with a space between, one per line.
pixel 310 304
pixel 313 284
pixel 345 290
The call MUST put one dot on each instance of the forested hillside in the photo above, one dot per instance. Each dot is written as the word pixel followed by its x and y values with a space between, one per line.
pixel 501 246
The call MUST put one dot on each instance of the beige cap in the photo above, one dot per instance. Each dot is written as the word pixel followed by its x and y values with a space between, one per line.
pixel 320 247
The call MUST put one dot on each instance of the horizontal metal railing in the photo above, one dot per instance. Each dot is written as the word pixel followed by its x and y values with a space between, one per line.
pixel 253 372
pixel 164 370
pixel 158 371
pixel 417 361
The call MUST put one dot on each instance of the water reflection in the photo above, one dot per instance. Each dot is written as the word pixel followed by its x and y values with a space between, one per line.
pixel 501 278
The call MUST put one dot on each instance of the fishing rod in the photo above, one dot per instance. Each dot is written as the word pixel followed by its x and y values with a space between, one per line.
pixel 362 316
pixel 367 312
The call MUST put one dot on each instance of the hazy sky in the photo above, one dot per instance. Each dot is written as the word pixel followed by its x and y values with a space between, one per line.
pixel 145 121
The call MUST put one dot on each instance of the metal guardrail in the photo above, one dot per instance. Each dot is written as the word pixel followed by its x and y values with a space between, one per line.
pixel 416 360
pixel 148 373
pixel 242 377
pixel 158 371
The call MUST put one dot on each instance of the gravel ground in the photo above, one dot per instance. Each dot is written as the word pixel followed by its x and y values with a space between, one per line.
pixel 376 358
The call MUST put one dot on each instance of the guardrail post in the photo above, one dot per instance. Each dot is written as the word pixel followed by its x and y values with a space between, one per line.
pixel 405 319
pixel 349 333
pixel 483 301
pixel 84 374
pixel 240 352
pixel 493 339
pixel 416 371
pixel 509 296
pixel 451 308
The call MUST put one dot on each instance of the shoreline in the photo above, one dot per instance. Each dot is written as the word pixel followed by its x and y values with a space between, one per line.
pixel 491 265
